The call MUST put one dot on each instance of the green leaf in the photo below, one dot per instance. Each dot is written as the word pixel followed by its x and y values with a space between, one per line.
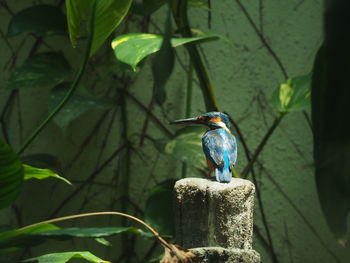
pixel 11 175
pixel 293 95
pixel 37 234
pixel 132 48
pixel 95 232
pixel 77 105
pixel 159 211
pixel 64 257
pixel 37 173
pixel 163 64
pixel 331 130
pixel 26 237
pixel 42 70
pixel 39 19
pixel 103 241
pixel 108 15
pixel 186 146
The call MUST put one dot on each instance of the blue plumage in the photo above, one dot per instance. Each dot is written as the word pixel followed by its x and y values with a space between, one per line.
pixel 219 145
pixel 220 148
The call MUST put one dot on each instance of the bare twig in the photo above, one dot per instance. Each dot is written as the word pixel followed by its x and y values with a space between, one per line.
pixel 261 146
pixel 302 216
pixel 86 141
pixel 89 179
pixel 154 118
pixel 263 39
pixel 145 123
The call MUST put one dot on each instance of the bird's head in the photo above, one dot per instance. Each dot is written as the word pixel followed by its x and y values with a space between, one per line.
pixel 213 120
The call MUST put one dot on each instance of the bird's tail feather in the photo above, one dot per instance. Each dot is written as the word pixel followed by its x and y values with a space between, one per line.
pixel 223 175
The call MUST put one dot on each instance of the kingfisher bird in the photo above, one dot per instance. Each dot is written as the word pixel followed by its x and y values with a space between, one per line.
pixel 219 145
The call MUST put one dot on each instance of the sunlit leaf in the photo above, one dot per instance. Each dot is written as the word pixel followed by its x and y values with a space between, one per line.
pixel 20 238
pixel 108 15
pixel 40 71
pixel 64 257
pixel 159 211
pixel 39 19
pixel 77 105
pixel 163 64
pixel 40 174
pixel 103 241
pixel 293 95
pixel 132 48
pixel 331 130
pixel 185 147
pixel 11 175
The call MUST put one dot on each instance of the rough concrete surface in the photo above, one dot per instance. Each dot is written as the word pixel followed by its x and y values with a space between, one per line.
pixel 225 255
pixel 211 214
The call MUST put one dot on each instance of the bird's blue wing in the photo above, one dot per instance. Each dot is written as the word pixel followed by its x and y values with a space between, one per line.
pixel 218 143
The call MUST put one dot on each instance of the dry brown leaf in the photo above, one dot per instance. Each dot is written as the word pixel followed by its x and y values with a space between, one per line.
pixel 178 254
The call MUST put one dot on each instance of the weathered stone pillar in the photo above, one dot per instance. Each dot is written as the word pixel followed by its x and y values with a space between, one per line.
pixel 215 219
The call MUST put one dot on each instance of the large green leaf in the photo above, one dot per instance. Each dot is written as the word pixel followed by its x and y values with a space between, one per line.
pixel 77 105
pixel 64 257
pixel 20 238
pixel 38 173
pixel 108 15
pixel 331 130
pixel 163 64
pixel 95 232
pixel 11 175
pixel 39 19
pixel 293 95
pixel 159 211
pixel 186 146
pixel 42 70
pixel 132 48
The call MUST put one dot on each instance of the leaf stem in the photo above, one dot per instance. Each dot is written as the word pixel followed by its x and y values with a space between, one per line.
pixel 179 8
pixel 71 90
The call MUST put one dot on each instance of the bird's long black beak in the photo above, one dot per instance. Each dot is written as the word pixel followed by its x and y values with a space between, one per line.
pixel 187 121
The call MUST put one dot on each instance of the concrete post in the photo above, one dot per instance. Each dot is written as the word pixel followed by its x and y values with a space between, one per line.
pixel 215 219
